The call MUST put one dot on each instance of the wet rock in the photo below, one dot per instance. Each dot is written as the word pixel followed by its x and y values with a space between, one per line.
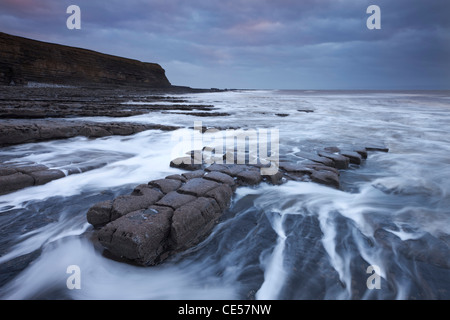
pixel 332 149
pixel 186 163
pixel 316 158
pixel 178 177
pixel 192 222
pixel 175 200
pixel 198 187
pixel 27 169
pixel 100 213
pixel 220 177
pixel 222 194
pixel 193 174
pixel 129 203
pixel 340 161
pixel 219 168
pixel 275 179
pixel 140 236
pixel 319 167
pixel 362 152
pixel 325 177
pixel 44 176
pixel 295 168
pixel 305 110
pixel 380 148
pixel 249 176
pixel 353 156
pixel 15 182
pixel 282 114
pixel 166 185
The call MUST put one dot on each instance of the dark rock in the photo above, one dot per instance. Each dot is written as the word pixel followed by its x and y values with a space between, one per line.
pixel 222 194
pixel 129 203
pixel 193 174
pixel 198 187
pixel 31 168
pixel 15 182
pixel 175 200
pixel 219 168
pixel 186 163
pixel 282 114
pixel 315 158
pixel 178 177
pixel 332 149
pixel 44 176
pixel 192 222
pixel 319 167
pixel 295 168
pixel 362 152
pixel 166 185
pixel 325 177
pixel 305 110
pixel 249 177
pixel 377 148
pixel 140 236
pixel 340 161
pixel 275 179
pixel 100 213
pixel 6 171
pixel 354 157
pixel 220 177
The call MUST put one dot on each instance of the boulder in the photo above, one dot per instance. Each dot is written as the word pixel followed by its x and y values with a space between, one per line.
pixel 198 187
pixel 15 182
pixel 141 236
pixel 220 177
pixel 44 176
pixel 325 177
pixel 316 158
pixel 192 222
pixel 222 194
pixel 353 156
pixel 175 200
pixel 100 213
pixel 340 161
pixel 129 203
pixel 186 163
pixel 166 185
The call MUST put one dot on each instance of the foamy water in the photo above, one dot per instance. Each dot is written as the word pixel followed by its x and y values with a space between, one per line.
pixel 295 241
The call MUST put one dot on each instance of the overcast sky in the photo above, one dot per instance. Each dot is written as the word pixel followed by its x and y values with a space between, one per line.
pixel 261 44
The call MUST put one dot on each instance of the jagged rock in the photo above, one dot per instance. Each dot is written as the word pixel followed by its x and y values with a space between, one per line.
pixel 198 187
pixel 193 221
pixel 295 168
pixel 140 236
pixel 166 185
pixel 354 157
pixel 100 213
pixel 340 161
pixel 175 200
pixel 44 176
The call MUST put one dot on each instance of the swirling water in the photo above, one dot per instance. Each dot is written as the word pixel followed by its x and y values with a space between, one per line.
pixel 299 240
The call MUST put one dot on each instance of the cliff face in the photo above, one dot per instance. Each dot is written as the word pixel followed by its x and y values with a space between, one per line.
pixel 24 60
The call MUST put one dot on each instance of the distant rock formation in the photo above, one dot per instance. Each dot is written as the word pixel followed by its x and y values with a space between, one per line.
pixel 24 60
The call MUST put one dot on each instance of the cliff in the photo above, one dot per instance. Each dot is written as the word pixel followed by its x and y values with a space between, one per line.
pixel 24 60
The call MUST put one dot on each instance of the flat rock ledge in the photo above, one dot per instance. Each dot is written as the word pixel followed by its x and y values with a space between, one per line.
pixel 170 215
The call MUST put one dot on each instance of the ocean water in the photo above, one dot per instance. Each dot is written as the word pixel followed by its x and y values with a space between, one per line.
pixel 385 234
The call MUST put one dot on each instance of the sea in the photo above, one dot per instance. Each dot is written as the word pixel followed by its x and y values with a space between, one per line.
pixel 383 234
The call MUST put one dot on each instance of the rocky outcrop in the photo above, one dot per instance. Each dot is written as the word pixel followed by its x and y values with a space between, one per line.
pixel 24 60
pixel 173 214
pixel 24 131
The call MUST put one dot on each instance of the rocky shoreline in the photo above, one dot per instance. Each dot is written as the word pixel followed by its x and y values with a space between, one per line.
pixel 170 215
